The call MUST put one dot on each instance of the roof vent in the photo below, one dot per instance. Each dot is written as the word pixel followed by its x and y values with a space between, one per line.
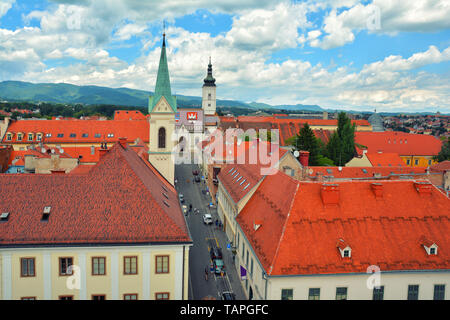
pixel 4 216
pixel 377 189
pixel 165 195
pixel 257 224
pixel 166 203
pixel 46 213
pixel 246 186
pixel 164 188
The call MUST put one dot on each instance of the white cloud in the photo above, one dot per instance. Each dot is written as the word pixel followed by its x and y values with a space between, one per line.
pixel 5 5
pixel 383 16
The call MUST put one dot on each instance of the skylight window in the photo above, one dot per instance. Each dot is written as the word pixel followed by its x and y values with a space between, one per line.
pixel 364 170
pixel 98 135
pixel 329 171
pixel 242 182
pixel 85 135
pixel 246 186
pixel 231 170
pixel 239 178
pixel 46 213
pixel 4 216
pixel 166 203
pixel 60 135
pixel 165 195
pixel 73 135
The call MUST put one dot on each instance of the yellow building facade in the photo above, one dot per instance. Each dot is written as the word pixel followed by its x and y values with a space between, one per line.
pixel 161 272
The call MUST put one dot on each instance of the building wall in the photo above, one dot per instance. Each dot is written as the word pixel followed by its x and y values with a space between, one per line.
pixel 395 285
pixel 418 161
pixel 48 284
pixel 359 162
pixel 45 165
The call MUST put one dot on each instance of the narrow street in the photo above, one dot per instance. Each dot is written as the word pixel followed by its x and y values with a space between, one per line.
pixel 201 234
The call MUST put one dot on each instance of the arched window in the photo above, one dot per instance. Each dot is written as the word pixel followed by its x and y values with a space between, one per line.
pixel 162 137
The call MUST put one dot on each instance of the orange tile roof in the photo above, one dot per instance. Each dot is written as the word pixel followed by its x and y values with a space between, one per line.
pixel 131 129
pixel 299 237
pixel 385 159
pixel 441 166
pixel 404 144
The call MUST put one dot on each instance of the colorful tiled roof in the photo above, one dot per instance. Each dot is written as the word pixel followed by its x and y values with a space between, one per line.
pixel 385 230
pixel 120 200
pixel 441 166
pixel 404 144
pixel 129 115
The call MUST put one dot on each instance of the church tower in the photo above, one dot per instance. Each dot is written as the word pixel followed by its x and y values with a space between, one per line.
pixel 162 107
pixel 209 92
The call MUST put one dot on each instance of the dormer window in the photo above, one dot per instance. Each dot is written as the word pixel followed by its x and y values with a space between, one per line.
pixel 344 249
pixel 39 137
pixel 8 136
pixel 30 137
pixel 19 137
pixel 430 247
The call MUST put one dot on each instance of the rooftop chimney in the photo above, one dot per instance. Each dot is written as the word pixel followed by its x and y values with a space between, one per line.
pixel 423 187
pixel 330 194
pixel 377 189
pixel 304 158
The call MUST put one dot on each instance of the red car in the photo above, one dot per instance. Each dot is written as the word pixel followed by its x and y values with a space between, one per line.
pixel 195 172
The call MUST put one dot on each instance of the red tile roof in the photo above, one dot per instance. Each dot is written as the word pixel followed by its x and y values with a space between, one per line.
pixel 385 159
pixel 299 237
pixel 441 166
pixel 404 144
pixel 120 200
pixel 131 129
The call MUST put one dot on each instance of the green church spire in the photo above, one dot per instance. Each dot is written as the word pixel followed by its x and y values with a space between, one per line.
pixel 162 88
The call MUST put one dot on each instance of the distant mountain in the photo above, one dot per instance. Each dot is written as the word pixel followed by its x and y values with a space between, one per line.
pixel 69 93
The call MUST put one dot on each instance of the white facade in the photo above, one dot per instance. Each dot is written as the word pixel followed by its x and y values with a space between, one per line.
pixel 209 100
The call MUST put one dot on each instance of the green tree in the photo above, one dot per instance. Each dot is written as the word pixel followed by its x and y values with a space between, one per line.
pixel 341 146
pixel 444 154
pixel 307 141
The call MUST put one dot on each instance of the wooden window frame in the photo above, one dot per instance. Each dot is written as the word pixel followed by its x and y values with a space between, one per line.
pixel 340 294
pixel 34 267
pixel 162 138
pixel 124 266
pixel 434 291
pixel 92 266
pixel 156 295
pixel 287 289
pixel 60 265
pixel 30 135
pixel 381 292
pixel 130 294
pixel 156 264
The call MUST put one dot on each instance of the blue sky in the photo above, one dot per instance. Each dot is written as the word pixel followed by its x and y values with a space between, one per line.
pixel 344 54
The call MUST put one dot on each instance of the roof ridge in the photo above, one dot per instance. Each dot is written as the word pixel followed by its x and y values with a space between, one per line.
pixel 283 231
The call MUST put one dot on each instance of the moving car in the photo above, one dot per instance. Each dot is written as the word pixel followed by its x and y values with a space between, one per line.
pixel 227 295
pixel 218 266
pixel 181 197
pixel 207 219
pixel 197 179
pixel 195 172
pixel 215 253
pixel 185 210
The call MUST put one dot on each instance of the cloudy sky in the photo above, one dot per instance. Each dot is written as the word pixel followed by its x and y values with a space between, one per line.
pixel 392 55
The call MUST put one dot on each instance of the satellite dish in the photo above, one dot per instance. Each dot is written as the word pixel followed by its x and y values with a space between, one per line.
pixel 296 153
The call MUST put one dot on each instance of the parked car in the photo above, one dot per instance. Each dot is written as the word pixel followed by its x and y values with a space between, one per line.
pixel 227 295
pixel 197 179
pixel 181 197
pixel 215 253
pixel 218 266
